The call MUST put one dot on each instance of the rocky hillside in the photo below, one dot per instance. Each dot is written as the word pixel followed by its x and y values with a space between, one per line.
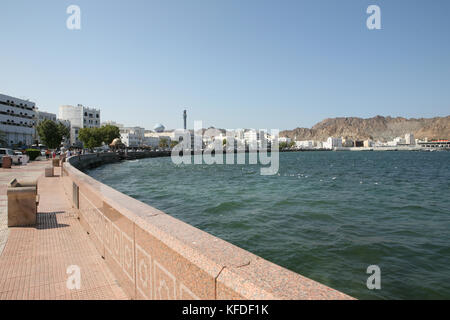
pixel 377 128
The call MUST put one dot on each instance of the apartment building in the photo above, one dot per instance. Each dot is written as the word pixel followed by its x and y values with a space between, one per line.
pixel 79 117
pixel 17 120
pixel 132 136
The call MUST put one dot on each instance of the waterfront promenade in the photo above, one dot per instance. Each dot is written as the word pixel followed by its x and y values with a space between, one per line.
pixel 34 260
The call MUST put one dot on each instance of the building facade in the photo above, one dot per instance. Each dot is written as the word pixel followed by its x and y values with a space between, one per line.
pixel 79 117
pixel 151 142
pixel 42 115
pixel 132 136
pixel 332 143
pixel 306 144
pixel 409 139
pixel 17 120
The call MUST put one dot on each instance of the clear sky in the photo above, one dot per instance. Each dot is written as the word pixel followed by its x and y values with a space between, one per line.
pixel 231 63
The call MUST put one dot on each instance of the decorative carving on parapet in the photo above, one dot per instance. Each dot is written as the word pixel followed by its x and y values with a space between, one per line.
pixel 116 235
pixel 165 283
pixel 153 280
pixel 107 236
pixel 144 273
pixel 127 256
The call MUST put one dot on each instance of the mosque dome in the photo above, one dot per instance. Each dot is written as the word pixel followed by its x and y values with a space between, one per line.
pixel 159 127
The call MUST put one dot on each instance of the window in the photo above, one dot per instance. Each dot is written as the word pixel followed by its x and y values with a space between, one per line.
pixel 85 114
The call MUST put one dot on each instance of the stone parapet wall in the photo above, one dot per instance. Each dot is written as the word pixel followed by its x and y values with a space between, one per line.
pixel 156 256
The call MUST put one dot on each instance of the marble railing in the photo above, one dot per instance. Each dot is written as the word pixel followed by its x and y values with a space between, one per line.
pixel 155 256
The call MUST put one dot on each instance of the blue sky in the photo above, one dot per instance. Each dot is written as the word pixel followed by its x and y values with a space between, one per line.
pixel 232 64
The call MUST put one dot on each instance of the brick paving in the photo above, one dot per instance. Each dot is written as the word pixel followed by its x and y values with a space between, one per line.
pixel 31 170
pixel 34 261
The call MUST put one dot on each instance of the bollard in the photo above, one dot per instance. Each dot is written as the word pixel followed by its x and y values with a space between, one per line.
pixel 22 202
pixel 55 162
pixel 49 171
pixel 6 162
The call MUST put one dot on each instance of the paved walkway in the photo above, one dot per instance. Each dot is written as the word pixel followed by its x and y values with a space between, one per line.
pixel 34 261
pixel 31 170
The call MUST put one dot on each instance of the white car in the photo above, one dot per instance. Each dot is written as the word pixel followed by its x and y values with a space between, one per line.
pixel 16 156
pixel 20 158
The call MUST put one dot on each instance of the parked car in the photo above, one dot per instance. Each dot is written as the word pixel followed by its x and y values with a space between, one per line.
pixel 5 152
pixel 20 158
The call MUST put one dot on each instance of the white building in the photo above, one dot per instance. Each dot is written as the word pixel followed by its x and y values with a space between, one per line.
pixel 397 141
pixel 130 139
pixel 165 134
pixel 132 136
pixel 284 139
pixel 251 136
pixel 42 115
pixel 112 123
pixel 17 120
pixel 307 144
pixel 151 141
pixel 79 117
pixel 409 139
pixel 332 143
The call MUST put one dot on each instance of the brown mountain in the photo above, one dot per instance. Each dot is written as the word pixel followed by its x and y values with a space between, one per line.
pixel 376 128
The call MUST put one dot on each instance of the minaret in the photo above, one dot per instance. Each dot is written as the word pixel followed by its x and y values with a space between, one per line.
pixel 184 118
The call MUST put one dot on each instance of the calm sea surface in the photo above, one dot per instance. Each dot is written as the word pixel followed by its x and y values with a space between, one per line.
pixel 327 215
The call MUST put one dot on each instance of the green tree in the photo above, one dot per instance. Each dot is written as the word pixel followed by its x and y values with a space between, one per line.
pixel 163 143
pixel 52 133
pixel 91 137
pixel 109 133
pixel 65 131
pixel 173 143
